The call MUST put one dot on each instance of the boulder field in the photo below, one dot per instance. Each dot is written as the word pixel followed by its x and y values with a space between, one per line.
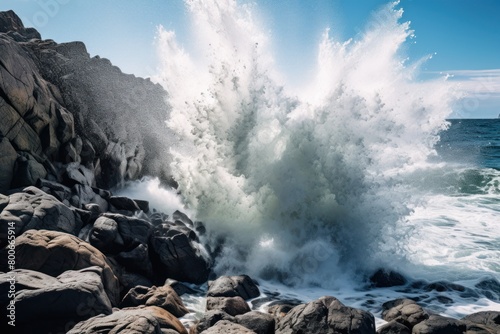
pixel 74 258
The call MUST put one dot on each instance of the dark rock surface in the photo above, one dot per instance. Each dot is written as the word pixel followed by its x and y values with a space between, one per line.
pixel 260 323
pixel 209 319
pixel 393 327
pixel 386 278
pixel 231 305
pixel 437 324
pixel 227 327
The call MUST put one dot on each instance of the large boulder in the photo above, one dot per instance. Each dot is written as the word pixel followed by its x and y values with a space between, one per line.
pixel 326 315
pixel 393 327
pixel 260 323
pixel 42 300
pixel 150 319
pixel 487 320
pixel 34 209
pixel 209 319
pixel 177 254
pixel 163 296
pixel 232 286
pixel 53 253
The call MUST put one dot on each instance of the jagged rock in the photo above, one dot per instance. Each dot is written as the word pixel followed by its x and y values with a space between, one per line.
pixel 404 311
pixel 151 320
pixel 393 327
pixel 231 305
pixel 260 323
pixel 11 23
pixel 280 310
pixel 489 320
pixel 34 209
pixel 177 254
pixel 163 296
pixel 232 286
pixel 114 233
pixel 59 191
pixel 326 315
pixel 53 253
pixel 209 319
pixel 226 327
pixel 437 324
pixel 383 278
pixel 71 297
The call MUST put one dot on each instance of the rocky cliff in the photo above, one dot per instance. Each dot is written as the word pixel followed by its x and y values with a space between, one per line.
pixel 59 106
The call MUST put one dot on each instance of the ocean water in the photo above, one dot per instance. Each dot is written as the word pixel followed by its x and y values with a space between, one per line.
pixel 310 190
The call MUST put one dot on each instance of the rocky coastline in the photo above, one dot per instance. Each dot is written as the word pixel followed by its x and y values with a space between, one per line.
pixel 75 258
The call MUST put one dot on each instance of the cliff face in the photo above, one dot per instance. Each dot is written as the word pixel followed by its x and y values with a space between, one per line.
pixel 59 106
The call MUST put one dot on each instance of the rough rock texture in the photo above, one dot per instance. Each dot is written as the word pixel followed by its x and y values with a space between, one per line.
pixel 53 253
pixel 231 305
pixel 386 278
pixel 178 254
pixel 232 286
pixel 34 209
pixel 326 315
pixel 209 319
pixel 163 296
pixel 437 324
pixel 151 320
pixel 61 106
pixel 404 311
pixel 72 296
pixel 393 327
pixel 260 323
pixel 487 321
pixel 226 327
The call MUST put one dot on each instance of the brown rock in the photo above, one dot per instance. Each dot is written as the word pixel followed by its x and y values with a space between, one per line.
pixel 231 305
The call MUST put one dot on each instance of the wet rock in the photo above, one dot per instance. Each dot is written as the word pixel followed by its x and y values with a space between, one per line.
pixel 437 324
pixel 231 305
pixel 404 311
pixel 177 255
pixel 232 286
pixel 71 297
pixel 393 327
pixel 226 327
pixel 326 315
pixel 260 323
pixel 53 253
pixel 59 191
pixel 163 296
pixel 136 260
pixel 123 203
pixel 150 319
pixel 383 278
pixel 27 171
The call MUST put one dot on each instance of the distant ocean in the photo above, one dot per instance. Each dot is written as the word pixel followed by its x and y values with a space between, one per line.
pixel 312 191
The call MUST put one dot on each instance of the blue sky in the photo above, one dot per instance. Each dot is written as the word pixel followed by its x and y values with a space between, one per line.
pixel 464 35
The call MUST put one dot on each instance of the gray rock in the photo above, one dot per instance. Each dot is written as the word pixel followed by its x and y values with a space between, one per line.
pixel 136 260
pixel 53 253
pixel 123 203
pixel 8 157
pixel 232 286
pixel 72 296
pixel 34 209
pixel 437 324
pixel 150 319
pixel 404 311
pixel 260 323
pixel 163 296
pixel 231 305
pixel 209 319
pixel 326 315
pixel 27 171
pixel 393 327
pixel 226 327
pixel 178 256
pixel 489 319
pixel 386 278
